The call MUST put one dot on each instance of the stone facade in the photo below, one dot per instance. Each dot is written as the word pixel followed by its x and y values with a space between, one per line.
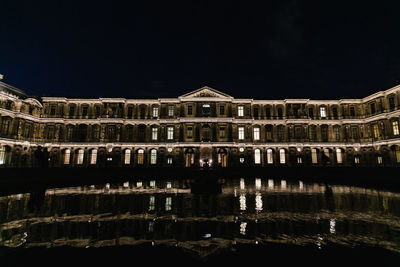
pixel 203 127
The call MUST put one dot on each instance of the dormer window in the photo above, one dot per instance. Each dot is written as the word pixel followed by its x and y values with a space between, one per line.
pixel 240 111
pixel 221 110
pixel 352 112
pixel 84 111
pixel 190 110
pixel 170 111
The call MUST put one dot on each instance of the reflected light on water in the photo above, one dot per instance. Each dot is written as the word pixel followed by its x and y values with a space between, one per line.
pixel 301 185
pixel 332 226
pixel 283 184
pixel 259 203
pixel 243 228
pixel 242 184
pixel 242 201
pixel 258 183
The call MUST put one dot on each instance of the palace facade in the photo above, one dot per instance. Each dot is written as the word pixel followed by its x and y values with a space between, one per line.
pixel 203 127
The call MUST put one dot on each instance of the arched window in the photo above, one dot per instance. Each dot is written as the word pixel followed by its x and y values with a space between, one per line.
pixel 93 156
pixel 153 156
pixel 127 156
pixel 282 158
pixel 339 158
pixel 140 159
pixel 67 156
pixel 256 133
pixel 79 160
pixel 257 156
pixel 270 159
pixel 2 155
pixel 314 156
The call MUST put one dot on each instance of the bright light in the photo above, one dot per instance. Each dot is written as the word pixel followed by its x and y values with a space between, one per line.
pixel 258 183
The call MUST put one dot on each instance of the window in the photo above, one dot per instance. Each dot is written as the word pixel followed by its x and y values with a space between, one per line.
pixel 169 160
pixel 2 155
pixel 5 126
pixel 352 112
pixel 313 132
pixel 127 156
pixel 171 111
pixel 339 158
pixel 380 160
pixel 67 156
pixel 222 132
pixel 376 130
pixel 336 132
pixel 241 160
pixel 335 112
pixel 269 132
pixel 268 112
pixel 395 125
pixel 221 110
pixel 391 103
pixel 397 149
pixel 282 159
pixel 281 132
pixel 130 112
pixel 96 132
pixel 97 111
pixel 93 156
pixel 71 111
pixel 354 132
pixel 113 111
pixel 257 156
pixel 241 133
pixel 270 159
pixel 311 112
pixel 372 105
pixel 189 132
pixel 357 159
pixel 314 158
pixel 299 159
pixel 155 112
pixel 206 110
pixel 140 159
pixel 154 133
pixel 280 113
pixel 322 112
pixel 53 110
pixel 152 203
pixel 256 133
pixel 70 132
pixel 84 110
pixel 168 203
pixel 255 112
pixel 324 133
pixel 190 110
pixel 240 111
pixel 79 160
pixel 153 156
pixel 170 133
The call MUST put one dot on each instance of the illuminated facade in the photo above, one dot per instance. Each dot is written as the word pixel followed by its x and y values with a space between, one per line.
pixel 203 127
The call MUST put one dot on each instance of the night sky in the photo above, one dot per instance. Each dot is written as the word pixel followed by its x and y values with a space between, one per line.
pixel 281 49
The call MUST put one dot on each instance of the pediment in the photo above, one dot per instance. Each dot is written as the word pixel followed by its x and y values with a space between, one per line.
pixel 205 92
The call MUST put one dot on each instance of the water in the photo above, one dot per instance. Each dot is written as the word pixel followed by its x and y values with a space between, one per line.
pixel 202 219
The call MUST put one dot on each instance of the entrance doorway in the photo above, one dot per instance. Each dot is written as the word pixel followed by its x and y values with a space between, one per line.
pixel 189 157
pixel 205 157
pixel 222 157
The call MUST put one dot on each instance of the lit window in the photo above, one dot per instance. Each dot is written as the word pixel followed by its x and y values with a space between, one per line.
pixel 127 156
pixel 240 111
pixel 357 159
pixel 259 202
pixel 170 133
pixel 241 133
pixel 258 183
pixel 79 161
pixel 322 112
pixel 2 155
pixel 93 156
pixel 282 159
pixel 380 160
pixel 257 156
pixel 168 203
pixel 314 158
pixel 339 158
pixel 395 125
pixel 171 111
pixel 397 154
pixel 153 156
pixel 256 132
pixel 242 202
pixel 152 203
pixel 241 159
pixel 169 185
pixel 270 159
pixel 169 160
pixel 299 160
pixel 140 158
pixel 67 156
pixel 155 112
pixel 154 133
pixel 152 183
pixel 376 131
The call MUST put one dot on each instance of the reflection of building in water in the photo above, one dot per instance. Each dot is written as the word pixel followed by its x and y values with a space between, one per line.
pixel 159 211
pixel 201 128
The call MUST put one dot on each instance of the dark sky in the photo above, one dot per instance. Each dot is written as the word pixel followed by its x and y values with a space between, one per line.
pixel 281 49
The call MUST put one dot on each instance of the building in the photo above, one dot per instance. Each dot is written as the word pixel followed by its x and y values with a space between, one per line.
pixel 203 127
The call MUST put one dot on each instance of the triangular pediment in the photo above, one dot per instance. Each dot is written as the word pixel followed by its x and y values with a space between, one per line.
pixel 205 91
